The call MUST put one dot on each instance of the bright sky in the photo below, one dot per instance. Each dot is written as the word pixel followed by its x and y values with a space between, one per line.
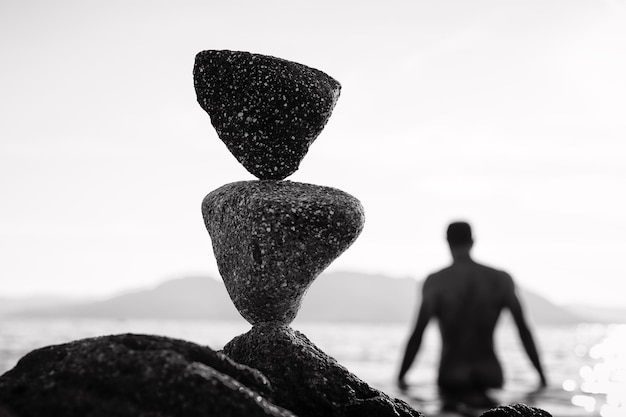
pixel 510 114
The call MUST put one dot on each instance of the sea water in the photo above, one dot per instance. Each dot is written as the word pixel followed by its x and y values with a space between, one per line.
pixel 585 364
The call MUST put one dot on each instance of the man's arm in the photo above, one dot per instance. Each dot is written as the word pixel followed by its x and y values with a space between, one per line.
pixel 413 345
pixel 525 335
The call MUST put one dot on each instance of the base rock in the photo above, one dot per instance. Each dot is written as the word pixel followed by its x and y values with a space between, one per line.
pixel 516 410
pixel 133 376
pixel 306 380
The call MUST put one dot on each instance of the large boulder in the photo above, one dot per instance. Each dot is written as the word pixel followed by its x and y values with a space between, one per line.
pixel 133 376
pixel 266 110
pixel 306 380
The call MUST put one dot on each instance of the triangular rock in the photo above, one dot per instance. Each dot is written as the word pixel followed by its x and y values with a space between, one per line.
pixel 266 110
pixel 271 239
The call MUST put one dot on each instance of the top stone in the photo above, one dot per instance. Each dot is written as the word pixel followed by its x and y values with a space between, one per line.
pixel 266 110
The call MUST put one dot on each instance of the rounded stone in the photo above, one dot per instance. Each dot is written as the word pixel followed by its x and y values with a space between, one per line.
pixel 266 110
pixel 271 239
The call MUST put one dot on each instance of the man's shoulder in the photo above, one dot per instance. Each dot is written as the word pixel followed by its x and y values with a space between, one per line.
pixel 440 280
pixel 493 271
pixel 483 269
pixel 447 270
pixel 434 280
pixel 438 275
pixel 498 278
pixel 451 273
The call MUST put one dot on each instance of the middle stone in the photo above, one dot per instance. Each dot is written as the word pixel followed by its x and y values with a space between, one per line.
pixel 271 239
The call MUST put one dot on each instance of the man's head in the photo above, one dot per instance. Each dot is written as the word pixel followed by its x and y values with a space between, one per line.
pixel 459 235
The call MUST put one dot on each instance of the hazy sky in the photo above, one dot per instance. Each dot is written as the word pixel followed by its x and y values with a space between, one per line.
pixel 510 114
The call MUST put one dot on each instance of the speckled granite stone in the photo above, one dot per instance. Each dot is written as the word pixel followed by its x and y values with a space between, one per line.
pixel 306 380
pixel 266 110
pixel 516 410
pixel 271 239
pixel 134 375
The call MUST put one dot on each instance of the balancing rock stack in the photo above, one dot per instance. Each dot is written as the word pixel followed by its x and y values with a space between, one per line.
pixel 272 237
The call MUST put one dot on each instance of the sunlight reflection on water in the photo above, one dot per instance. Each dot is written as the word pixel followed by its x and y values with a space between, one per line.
pixel 601 385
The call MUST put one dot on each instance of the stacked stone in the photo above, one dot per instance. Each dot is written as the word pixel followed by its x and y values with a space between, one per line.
pixel 273 237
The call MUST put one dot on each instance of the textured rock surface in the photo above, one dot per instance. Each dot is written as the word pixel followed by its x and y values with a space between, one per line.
pixel 272 238
pixel 306 380
pixel 516 410
pixel 266 110
pixel 133 375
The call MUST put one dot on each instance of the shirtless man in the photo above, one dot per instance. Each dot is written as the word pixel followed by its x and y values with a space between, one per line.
pixel 466 298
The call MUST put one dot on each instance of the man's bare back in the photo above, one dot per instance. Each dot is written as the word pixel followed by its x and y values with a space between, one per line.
pixel 477 294
pixel 466 299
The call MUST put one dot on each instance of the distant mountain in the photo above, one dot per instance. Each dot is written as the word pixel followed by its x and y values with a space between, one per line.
pixel 600 314
pixel 378 298
pixel 12 305
pixel 357 297
pixel 542 311
pixel 185 298
pixel 335 296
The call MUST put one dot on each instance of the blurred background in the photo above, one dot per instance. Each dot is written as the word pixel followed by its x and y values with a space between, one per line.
pixel 508 114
